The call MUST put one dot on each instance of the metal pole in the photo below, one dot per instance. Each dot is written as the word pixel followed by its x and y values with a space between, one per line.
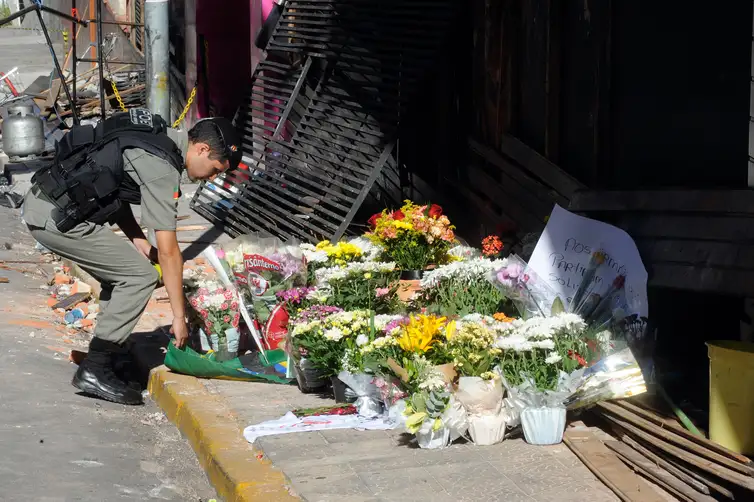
pixel 157 52
pixel 100 62
pixel 57 66
pixel 74 55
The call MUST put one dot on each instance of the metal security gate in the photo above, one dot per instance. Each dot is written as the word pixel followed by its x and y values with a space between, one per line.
pixel 323 116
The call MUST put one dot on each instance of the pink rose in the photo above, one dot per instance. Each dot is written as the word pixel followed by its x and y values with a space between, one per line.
pixel 194 302
pixel 381 291
pixel 204 314
pixel 235 322
pixel 234 306
pixel 228 295
pixel 226 318
pixel 224 306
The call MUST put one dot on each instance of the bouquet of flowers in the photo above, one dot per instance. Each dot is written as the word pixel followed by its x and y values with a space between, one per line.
pixel 261 268
pixel 462 288
pixel 325 342
pixel 215 309
pixel 328 255
pixel 413 236
pixel 432 413
pixel 367 285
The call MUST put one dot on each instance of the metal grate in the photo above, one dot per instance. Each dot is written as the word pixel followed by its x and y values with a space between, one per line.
pixel 330 126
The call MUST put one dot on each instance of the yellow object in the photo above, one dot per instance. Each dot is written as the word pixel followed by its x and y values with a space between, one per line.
pixel 731 395
pixel 185 108
pixel 117 96
pixel 158 268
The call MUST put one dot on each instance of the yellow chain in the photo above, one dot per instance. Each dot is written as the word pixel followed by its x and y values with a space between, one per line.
pixel 117 96
pixel 185 108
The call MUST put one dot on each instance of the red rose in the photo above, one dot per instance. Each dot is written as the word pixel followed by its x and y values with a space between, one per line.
pixel 372 222
pixel 398 215
pixel 435 211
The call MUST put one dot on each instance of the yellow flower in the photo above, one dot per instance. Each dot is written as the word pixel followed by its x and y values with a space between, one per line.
pixel 450 330
pixel 368 275
pixel 420 333
pixel 415 421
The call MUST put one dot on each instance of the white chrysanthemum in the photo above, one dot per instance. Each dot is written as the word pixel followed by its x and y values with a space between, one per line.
pixel 334 334
pixel 553 357
pixel 474 269
pixel 362 340
pixel 325 275
pixel 516 343
pixel 543 344
pixel 434 381
pixel 369 250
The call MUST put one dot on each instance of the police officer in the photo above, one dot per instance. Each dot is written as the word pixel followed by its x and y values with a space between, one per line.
pixel 123 268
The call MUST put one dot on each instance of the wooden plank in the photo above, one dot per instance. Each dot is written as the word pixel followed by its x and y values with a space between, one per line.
pixel 709 254
pixel 505 196
pixel 686 456
pixel 702 478
pixel 658 475
pixel 697 227
pixel 694 201
pixel 532 66
pixel 671 437
pixel 662 463
pixel 4 280
pixel 542 168
pixel 655 418
pixel 518 175
pixel 695 278
pixel 608 468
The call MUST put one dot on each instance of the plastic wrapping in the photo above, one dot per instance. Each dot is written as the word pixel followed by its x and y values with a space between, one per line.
pixel 454 425
pixel 483 401
pixel 261 267
pixel 368 401
pixel 543 425
pixel 616 376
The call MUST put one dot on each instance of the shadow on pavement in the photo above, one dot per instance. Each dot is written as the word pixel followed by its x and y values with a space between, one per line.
pixel 148 351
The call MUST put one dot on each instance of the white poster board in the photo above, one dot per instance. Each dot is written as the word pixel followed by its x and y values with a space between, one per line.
pixel 562 256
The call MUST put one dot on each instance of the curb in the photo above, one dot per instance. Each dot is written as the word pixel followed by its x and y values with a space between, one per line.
pixel 238 471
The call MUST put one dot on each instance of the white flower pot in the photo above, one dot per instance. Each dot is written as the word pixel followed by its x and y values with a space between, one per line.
pixel 486 430
pixel 204 341
pixel 543 426
pixel 431 439
pixel 232 338
pixel 479 396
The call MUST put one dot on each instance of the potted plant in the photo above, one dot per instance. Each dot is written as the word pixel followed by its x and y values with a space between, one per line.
pixel 535 353
pixel 413 237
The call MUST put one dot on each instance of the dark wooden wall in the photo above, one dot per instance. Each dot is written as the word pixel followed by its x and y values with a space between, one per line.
pixel 618 94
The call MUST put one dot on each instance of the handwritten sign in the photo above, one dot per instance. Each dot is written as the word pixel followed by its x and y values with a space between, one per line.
pixel 561 260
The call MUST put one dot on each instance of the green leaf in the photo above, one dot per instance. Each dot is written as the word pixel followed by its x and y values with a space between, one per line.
pixel 557 306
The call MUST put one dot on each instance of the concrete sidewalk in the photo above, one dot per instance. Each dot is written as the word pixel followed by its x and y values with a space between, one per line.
pixel 386 466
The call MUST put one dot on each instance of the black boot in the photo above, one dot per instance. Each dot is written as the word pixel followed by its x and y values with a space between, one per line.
pixel 96 377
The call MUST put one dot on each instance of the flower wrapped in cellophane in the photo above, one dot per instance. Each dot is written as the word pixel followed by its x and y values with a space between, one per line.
pixel 413 236
pixel 462 288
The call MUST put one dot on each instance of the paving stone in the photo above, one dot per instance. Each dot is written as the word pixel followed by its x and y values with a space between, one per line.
pixel 406 481
pixel 339 487
pixel 475 481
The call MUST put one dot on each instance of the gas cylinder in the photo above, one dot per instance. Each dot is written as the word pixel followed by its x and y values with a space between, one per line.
pixel 23 132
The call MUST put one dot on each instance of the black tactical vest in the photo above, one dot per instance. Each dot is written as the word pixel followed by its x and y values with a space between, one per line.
pixel 86 181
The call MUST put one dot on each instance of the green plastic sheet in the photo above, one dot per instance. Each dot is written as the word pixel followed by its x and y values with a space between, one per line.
pixel 189 362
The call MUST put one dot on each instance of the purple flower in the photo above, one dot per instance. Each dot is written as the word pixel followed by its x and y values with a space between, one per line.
pixel 290 264
pixel 294 296
pixel 512 275
pixel 396 323
pixel 316 313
